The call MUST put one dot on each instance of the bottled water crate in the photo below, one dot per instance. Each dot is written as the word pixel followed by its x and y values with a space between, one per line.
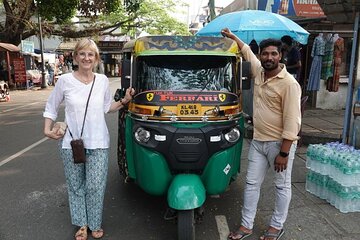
pixel 334 175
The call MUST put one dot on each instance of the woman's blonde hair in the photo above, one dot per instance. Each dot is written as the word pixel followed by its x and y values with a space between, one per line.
pixel 87 44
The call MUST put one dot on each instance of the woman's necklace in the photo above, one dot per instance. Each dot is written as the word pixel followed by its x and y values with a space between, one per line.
pixel 84 80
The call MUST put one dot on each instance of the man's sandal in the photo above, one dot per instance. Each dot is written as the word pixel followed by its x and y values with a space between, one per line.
pixel 238 235
pixel 81 234
pixel 272 235
pixel 97 233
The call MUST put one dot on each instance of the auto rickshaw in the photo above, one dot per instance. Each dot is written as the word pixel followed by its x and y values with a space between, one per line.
pixel 182 133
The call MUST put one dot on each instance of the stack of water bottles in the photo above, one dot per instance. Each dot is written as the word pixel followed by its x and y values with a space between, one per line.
pixel 334 174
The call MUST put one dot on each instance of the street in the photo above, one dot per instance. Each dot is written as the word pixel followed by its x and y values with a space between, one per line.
pixel 34 204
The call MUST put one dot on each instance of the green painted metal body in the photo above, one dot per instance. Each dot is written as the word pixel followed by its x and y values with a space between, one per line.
pixel 150 171
pixel 186 192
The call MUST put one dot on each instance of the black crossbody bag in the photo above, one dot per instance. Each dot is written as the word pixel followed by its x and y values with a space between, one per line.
pixel 77 145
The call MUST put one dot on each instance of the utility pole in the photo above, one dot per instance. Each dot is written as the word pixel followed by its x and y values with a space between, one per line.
pixel 43 80
pixel 211 6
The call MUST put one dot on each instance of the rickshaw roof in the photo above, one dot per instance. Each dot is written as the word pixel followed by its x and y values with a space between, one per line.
pixel 181 45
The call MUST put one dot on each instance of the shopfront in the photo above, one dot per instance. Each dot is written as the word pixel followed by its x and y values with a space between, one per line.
pixel 8 52
pixel 110 52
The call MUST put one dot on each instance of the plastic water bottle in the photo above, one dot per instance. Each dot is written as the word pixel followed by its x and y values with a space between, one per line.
pixel 334 175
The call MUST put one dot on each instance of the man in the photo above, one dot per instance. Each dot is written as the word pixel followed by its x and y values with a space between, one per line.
pixel 291 57
pixel 277 120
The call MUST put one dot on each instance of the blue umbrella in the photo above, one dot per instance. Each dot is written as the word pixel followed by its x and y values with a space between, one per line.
pixel 255 25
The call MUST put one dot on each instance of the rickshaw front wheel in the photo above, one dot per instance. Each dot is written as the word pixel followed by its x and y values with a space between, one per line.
pixel 186 224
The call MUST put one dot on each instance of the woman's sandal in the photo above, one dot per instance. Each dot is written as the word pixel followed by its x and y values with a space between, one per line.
pixel 97 233
pixel 81 234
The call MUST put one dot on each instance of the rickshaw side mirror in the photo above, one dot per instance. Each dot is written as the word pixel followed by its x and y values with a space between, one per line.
pixel 125 73
pixel 246 75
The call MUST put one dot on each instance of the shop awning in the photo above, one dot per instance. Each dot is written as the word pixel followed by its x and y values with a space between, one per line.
pixel 67 46
pixel 340 11
pixel 8 47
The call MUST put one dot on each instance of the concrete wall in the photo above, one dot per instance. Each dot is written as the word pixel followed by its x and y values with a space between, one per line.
pixel 332 100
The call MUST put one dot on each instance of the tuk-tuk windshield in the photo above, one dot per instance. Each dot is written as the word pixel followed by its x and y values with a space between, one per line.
pixel 196 73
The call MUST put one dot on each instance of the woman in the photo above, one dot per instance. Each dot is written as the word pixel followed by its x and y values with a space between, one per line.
pixel 85 181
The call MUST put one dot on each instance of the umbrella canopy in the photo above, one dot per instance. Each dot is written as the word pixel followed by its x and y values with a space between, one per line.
pixel 255 25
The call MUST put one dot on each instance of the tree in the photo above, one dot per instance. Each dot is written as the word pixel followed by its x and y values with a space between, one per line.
pixel 96 18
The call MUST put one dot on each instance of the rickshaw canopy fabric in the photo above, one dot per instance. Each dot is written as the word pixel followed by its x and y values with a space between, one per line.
pixel 255 25
pixel 179 45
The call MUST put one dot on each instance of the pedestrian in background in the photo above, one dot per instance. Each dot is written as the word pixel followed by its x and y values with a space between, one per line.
pixel 85 181
pixel 291 57
pixel 277 119
pixel 51 69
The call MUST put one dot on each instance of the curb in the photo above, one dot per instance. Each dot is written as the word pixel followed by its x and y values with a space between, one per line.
pixel 316 138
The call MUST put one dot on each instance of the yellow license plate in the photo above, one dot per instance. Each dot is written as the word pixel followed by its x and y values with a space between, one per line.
pixel 188 109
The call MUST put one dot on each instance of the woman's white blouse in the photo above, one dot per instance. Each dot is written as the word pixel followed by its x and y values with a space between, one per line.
pixel 75 94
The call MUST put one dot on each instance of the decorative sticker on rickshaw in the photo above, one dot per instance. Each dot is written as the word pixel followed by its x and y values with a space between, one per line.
pixel 227 169
pixel 150 96
pixel 222 97
pixel 173 43
pixel 186 98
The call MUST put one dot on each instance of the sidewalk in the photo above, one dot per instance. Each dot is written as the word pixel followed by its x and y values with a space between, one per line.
pixel 321 126
pixel 318 126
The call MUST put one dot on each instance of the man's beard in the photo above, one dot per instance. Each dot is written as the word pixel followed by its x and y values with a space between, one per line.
pixel 269 65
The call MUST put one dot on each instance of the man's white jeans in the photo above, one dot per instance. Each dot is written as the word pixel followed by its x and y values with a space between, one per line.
pixel 261 157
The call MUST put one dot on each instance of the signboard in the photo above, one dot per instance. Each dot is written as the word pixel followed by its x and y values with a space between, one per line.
pixel 27 46
pixel 299 8
pixel 110 46
pixel 19 70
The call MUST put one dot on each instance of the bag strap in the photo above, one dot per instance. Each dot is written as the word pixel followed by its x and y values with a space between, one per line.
pixel 87 104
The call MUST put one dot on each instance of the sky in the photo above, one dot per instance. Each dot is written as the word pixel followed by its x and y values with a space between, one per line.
pixel 195 5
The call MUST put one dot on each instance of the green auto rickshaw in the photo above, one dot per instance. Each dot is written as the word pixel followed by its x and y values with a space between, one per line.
pixel 182 133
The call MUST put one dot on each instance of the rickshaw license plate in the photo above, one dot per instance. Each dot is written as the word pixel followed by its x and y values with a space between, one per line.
pixel 188 109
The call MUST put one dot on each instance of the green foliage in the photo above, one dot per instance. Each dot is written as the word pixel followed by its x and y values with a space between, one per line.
pixel 132 5
pixel 158 18
pixel 155 17
pixel 61 11
pixel 112 6
pixel 98 17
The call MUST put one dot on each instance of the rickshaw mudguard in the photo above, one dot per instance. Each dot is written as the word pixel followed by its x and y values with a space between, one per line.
pixel 186 192
pixel 152 171
pixel 221 169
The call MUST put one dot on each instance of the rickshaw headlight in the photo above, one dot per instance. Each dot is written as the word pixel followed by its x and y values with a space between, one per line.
pixel 233 135
pixel 142 135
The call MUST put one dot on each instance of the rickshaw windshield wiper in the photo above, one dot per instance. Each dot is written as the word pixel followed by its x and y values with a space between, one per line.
pixel 207 82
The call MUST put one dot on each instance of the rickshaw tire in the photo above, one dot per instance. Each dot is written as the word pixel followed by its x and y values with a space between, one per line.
pixel 186 224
